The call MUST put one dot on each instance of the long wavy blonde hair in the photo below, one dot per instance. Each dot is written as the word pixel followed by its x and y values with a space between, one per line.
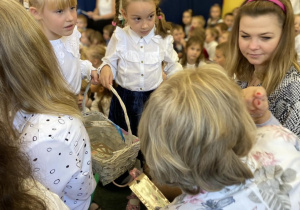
pixel 284 55
pixel 30 78
pixel 195 128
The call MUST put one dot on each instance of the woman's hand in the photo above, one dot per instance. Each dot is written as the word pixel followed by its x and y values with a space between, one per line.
pixel 106 77
pixel 257 103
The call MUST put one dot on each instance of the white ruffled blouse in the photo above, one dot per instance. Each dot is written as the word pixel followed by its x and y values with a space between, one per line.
pixel 67 52
pixel 136 62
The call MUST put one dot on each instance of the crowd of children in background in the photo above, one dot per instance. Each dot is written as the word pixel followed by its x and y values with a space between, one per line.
pixel 135 56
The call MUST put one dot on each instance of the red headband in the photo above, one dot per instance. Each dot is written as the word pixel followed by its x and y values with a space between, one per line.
pixel 277 2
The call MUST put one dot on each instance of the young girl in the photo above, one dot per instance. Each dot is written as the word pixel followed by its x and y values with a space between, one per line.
pixel 197 134
pixel 134 57
pixel 193 57
pixel 108 31
pixel 261 52
pixel 210 44
pixel 41 110
pixel 214 16
pixel 58 20
pixel 221 54
pixel 187 20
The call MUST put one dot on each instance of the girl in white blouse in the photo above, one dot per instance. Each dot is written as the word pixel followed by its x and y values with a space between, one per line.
pixel 39 107
pixel 58 20
pixel 134 57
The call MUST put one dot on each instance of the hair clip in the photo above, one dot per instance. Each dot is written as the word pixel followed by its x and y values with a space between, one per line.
pixel 113 23
pixel 159 17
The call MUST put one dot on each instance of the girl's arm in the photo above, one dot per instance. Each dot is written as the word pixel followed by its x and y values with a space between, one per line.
pixel 111 15
pixel 108 68
pixel 95 12
pixel 171 57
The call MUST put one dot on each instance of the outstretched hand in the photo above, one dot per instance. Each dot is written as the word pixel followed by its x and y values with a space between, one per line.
pixel 257 103
pixel 106 77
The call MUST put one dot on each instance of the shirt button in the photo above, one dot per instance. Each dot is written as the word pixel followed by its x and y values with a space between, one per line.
pixel 141 88
pixel 141 46
pixel 142 61
pixel 142 75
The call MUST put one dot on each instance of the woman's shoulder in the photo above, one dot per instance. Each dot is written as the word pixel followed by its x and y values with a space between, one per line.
pixel 49 127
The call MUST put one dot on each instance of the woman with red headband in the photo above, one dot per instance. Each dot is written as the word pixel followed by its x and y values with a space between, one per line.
pixel 262 53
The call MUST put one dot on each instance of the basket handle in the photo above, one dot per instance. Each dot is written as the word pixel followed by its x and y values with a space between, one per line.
pixel 124 109
pixel 120 101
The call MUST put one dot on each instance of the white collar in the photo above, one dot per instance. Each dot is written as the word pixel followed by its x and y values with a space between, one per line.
pixel 136 38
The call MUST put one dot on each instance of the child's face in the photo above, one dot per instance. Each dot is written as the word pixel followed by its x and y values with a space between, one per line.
pixel 57 22
pixel 215 13
pixel 193 52
pixel 178 35
pixel 219 58
pixel 208 36
pixel 195 23
pixel 80 99
pixel 81 24
pixel 258 38
pixel 297 25
pixel 186 18
pixel 228 20
pixel 140 16
pixel 106 35
pixel 84 39
pixel 223 38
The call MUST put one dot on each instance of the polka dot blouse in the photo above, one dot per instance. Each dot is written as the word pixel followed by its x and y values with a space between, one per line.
pixel 60 153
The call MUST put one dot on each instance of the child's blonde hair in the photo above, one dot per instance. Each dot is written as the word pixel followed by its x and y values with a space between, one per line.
pixel 282 58
pixel 191 41
pixel 110 29
pixel 162 27
pixel 223 47
pixel 200 20
pixel 194 130
pixel 40 4
pixel 214 32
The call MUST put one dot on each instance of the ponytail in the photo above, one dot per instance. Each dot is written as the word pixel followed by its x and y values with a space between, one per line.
pixel 162 28
pixel 117 20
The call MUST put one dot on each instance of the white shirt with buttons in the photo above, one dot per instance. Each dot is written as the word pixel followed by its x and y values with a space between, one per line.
pixel 136 62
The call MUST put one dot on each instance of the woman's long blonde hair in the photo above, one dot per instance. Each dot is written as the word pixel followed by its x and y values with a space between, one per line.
pixel 194 130
pixel 284 55
pixel 30 78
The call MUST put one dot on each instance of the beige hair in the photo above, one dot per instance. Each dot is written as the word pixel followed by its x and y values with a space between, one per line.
pixel 223 48
pixel 194 130
pixel 283 57
pixel 40 4
pixel 30 78
pixel 200 20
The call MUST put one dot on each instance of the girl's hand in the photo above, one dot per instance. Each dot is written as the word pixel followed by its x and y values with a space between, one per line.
pixel 94 77
pixel 90 14
pixel 257 103
pixel 106 77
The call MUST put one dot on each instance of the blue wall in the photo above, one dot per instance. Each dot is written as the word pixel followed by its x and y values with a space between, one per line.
pixel 173 9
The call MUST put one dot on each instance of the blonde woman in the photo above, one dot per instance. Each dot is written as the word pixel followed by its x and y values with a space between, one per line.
pixel 40 109
pixel 196 134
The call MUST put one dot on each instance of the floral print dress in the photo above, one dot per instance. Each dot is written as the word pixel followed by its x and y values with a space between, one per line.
pixel 275 163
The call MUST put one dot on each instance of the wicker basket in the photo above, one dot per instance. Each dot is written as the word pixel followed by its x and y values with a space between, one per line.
pixel 114 150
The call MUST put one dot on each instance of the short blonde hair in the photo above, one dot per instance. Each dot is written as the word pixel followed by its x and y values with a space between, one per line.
pixel 194 130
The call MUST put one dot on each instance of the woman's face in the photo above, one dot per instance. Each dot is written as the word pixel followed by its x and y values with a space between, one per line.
pixel 259 37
